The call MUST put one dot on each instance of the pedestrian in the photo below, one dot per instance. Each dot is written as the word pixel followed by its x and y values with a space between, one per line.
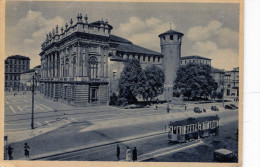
pixel 118 152
pixel 26 150
pixel 185 107
pixel 128 154
pixel 10 151
pixel 135 154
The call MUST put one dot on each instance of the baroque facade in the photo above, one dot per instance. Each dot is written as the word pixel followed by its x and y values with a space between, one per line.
pixel 81 63
pixel 14 66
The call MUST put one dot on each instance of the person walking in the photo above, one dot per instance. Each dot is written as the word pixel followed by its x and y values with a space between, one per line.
pixel 10 151
pixel 134 154
pixel 128 154
pixel 26 150
pixel 118 152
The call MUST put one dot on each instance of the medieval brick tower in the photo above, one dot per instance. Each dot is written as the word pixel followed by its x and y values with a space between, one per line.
pixel 171 50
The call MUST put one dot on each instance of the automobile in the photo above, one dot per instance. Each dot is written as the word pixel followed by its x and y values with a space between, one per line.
pixel 197 110
pixel 214 108
pixel 234 106
pixel 228 106
pixel 224 155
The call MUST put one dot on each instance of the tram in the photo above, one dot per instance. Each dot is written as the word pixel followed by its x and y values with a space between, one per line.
pixel 193 128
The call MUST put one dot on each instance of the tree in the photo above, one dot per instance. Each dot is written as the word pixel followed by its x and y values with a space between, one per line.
pixel 131 81
pixel 195 81
pixel 153 85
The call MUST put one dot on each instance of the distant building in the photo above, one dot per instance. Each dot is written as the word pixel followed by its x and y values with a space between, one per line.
pixel 14 66
pixel 26 78
pixel 218 75
pixel 195 60
pixel 231 82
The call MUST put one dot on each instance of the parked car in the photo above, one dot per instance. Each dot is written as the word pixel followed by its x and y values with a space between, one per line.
pixel 234 106
pixel 214 108
pixel 197 110
pixel 228 106
pixel 224 155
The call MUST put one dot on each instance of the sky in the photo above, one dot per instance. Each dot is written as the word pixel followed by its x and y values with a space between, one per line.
pixel 210 30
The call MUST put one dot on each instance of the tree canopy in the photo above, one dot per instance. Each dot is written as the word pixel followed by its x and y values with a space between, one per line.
pixel 195 81
pixel 154 81
pixel 131 80
pixel 134 81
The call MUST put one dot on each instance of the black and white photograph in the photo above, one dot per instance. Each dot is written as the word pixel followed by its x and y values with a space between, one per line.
pixel 123 81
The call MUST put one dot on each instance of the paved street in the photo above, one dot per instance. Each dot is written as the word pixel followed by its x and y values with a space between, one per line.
pixel 92 133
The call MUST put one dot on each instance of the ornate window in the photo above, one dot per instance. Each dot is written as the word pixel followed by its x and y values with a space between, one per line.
pixel 74 66
pixel 67 67
pixel 93 65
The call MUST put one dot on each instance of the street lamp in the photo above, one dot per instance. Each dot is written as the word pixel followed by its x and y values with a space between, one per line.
pixel 168 86
pixel 33 77
pixel 168 107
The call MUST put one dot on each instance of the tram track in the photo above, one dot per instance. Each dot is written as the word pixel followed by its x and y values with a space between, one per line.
pixel 69 154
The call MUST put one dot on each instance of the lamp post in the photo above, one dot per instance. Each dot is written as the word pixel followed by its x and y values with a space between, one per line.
pixel 32 124
pixel 168 107
pixel 168 86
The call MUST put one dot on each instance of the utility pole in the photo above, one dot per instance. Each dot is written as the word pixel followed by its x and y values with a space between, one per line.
pixel 223 96
pixel 168 107
pixel 32 124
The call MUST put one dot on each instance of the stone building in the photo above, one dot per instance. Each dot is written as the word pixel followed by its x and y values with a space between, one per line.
pixel 81 63
pixel 171 50
pixel 218 75
pixel 231 82
pixel 14 66
pixel 26 78
pixel 195 59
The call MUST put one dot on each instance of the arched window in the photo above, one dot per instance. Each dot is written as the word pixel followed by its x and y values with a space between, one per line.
pixel 74 65
pixel 67 67
pixel 93 65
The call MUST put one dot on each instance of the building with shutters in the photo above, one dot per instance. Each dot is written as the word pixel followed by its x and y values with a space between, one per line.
pixel 14 66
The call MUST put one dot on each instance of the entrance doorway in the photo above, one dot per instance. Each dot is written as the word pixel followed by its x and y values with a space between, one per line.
pixel 93 94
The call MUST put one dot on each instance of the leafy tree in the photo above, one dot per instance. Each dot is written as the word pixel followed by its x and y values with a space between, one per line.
pixel 153 85
pixel 131 81
pixel 195 81
pixel 113 100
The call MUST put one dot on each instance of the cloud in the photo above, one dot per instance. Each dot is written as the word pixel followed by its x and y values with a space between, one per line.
pixel 221 58
pixel 216 42
pixel 26 36
pixel 143 32
pixel 225 37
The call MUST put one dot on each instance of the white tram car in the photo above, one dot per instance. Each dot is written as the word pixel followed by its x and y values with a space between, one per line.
pixel 193 128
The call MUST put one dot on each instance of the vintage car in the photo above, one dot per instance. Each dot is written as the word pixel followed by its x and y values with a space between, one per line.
pixel 197 110
pixel 224 155
pixel 214 108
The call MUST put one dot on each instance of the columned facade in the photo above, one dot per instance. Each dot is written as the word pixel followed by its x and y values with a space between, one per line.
pixel 74 62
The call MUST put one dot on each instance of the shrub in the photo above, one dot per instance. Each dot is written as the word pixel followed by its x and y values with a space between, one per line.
pixel 113 100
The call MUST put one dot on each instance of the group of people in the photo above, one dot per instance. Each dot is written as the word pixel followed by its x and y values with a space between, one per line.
pixel 10 151
pixel 129 156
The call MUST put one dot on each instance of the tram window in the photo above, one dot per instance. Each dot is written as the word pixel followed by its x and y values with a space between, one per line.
pixel 199 126
pixel 196 127
pixel 183 130
pixel 174 130
pixel 192 128
pixel 178 130
pixel 206 125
